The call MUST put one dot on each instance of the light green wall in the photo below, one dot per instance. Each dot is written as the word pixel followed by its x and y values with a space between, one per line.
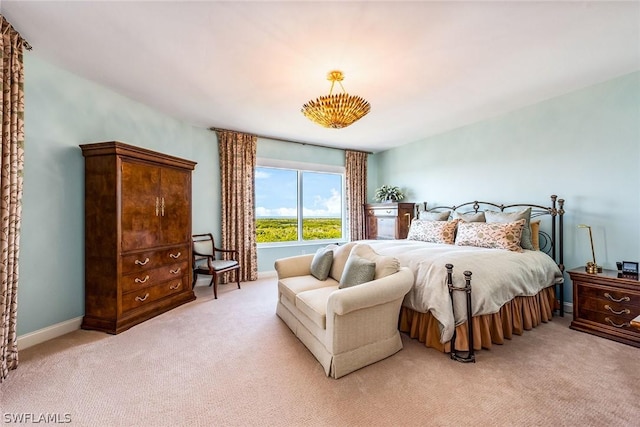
pixel 61 112
pixel 583 146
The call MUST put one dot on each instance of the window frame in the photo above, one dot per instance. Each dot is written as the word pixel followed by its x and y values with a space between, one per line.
pixel 301 167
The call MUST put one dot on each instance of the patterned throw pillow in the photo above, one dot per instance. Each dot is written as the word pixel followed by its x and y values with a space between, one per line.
pixel 525 241
pixel 321 262
pixel 495 235
pixel 433 231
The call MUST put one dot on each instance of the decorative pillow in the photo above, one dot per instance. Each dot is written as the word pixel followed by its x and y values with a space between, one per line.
pixel 357 271
pixel 385 265
pixel 340 255
pixel 434 216
pixel 525 241
pixel 496 235
pixel 535 235
pixel 321 262
pixel 470 216
pixel 433 231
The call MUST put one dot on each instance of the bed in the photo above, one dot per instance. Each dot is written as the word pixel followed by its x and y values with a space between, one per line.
pixel 512 275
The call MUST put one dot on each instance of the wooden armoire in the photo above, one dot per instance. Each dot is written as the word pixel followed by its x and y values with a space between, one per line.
pixel 137 235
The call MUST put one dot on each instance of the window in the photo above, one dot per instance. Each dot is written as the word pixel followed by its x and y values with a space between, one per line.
pixel 299 204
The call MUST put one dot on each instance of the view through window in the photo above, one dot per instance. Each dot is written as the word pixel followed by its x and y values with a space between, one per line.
pixel 294 205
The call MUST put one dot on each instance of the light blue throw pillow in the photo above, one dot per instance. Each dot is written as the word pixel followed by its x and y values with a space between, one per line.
pixel 357 271
pixel 321 263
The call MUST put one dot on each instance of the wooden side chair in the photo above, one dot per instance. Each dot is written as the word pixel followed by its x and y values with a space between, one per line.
pixel 205 261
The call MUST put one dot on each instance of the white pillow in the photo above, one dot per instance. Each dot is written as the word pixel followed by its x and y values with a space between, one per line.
pixel 385 265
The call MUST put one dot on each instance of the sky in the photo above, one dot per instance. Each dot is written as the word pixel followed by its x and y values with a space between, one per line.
pixel 276 193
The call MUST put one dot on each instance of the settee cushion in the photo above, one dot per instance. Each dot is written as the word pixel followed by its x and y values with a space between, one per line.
pixel 357 270
pixel 385 265
pixel 291 286
pixel 340 256
pixel 313 304
pixel 321 262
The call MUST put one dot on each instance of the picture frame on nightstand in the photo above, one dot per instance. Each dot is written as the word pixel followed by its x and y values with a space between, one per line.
pixel 629 270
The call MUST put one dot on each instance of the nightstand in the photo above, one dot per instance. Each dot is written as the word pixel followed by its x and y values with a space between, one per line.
pixel 606 305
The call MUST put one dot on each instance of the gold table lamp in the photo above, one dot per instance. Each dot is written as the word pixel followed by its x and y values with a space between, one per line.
pixel 592 267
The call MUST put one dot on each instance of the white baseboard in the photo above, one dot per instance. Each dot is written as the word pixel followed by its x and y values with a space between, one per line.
pixel 50 332
pixel 267 274
pixel 568 307
pixel 54 331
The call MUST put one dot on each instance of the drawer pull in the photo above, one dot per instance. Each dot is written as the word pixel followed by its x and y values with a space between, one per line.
pixel 175 256
pixel 389 212
pixel 142 280
pixel 625 311
pixel 144 298
pixel 608 295
pixel 174 287
pixel 612 323
pixel 138 262
pixel 176 271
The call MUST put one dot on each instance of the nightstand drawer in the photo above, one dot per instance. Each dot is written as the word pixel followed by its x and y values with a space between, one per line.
pixel 391 211
pixel 608 309
pixel 610 320
pixel 609 295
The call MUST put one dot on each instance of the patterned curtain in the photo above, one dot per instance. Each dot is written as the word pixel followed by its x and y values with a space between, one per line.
pixel 12 114
pixel 356 177
pixel 237 178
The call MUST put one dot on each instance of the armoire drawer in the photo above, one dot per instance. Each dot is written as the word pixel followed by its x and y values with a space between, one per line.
pixel 132 263
pixel 141 297
pixel 146 278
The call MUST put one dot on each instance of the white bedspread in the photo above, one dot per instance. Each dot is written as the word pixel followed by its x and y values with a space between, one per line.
pixel 498 276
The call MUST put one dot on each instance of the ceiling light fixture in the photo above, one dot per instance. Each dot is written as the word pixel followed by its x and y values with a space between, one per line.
pixel 336 111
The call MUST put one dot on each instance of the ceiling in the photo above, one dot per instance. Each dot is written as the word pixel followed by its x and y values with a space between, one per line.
pixel 425 67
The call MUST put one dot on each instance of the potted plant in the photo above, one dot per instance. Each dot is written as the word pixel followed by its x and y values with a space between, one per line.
pixel 388 193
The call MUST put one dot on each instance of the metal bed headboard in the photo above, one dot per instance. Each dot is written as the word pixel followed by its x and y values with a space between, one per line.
pixel 552 243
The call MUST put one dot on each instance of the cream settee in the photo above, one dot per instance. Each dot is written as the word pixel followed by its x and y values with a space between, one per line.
pixel 349 328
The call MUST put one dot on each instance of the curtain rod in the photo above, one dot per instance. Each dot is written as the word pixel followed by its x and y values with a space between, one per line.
pixel 288 140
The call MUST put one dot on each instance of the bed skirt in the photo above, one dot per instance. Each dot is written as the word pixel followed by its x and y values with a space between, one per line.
pixel 516 316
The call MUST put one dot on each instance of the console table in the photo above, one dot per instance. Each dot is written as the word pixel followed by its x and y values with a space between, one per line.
pixel 388 220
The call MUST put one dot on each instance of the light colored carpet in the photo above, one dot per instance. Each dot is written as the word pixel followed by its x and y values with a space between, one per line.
pixel 232 362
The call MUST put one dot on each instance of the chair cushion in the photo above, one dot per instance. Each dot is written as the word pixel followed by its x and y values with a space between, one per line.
pixel 314 304
pixel 220 264
pixel 291 286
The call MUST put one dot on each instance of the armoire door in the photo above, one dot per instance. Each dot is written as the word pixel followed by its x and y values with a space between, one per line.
pixel 175 203
pixel 140 206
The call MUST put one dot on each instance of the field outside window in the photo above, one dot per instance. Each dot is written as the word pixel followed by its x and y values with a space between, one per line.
pixel 294 205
